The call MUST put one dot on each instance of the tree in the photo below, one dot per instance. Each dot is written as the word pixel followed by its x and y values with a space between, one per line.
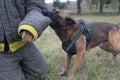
pixel 117 2
pixel 98 2
pixel 95 3
pixel 107 2
pixel 119 6
pixel 58 4
pixel 101 6
pixel 79 6
pixel 102 2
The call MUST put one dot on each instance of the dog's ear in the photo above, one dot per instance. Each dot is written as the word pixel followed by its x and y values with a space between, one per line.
pixel 69 21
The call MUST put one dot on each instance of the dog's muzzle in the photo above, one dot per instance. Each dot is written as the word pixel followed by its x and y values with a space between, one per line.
pixel 53 15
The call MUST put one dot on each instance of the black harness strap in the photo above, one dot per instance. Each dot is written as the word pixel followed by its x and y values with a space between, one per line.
pixel 88 33
pixel 69 46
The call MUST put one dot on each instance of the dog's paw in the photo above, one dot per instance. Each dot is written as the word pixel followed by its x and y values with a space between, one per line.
pixel 64 72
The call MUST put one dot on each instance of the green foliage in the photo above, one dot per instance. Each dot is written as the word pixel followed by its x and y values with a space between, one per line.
pixel 115 3
pixel 108 1
pixel 94 2
pixel 60 5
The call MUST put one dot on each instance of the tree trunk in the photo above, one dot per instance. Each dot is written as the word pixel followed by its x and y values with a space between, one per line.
pixel 79 6
pixel 119 8
pixel 101 6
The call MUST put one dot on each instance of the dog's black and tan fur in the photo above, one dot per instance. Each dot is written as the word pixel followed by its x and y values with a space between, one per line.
pixel 104 35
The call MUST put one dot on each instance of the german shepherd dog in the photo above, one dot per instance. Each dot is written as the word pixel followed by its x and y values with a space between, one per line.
pixel 78 36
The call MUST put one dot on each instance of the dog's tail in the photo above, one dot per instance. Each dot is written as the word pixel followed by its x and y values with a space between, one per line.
pixel 114 37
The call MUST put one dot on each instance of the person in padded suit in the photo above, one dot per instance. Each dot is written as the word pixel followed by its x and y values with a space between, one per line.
pixel 21 22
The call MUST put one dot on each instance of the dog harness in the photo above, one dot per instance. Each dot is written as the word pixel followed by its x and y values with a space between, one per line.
pixel 69 46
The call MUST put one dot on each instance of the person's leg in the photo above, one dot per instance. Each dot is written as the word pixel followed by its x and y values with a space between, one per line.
pixel 9 66
pixel 33 63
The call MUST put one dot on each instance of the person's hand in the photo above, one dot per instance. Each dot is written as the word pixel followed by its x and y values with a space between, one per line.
pixel 26 36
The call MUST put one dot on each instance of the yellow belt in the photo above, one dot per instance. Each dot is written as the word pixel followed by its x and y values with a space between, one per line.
pixel 2 47
pixel 13 46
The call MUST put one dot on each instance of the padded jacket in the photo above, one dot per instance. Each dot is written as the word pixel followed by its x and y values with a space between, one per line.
pixel 18 15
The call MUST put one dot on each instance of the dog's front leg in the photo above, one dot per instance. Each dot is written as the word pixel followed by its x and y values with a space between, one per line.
pixel 80 51
pixel 66 65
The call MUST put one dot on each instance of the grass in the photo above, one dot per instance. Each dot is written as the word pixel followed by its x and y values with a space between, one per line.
pixel 97 64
